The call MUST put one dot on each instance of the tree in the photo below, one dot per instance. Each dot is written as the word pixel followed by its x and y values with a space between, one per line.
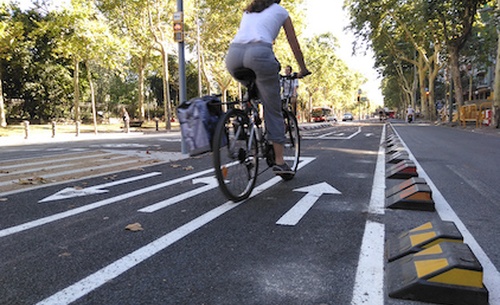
pixel 496 108
pixel 158 13
pixel 87 39
pixel 11 36
pixel 455 19
pixel 400 31
pixel 131 20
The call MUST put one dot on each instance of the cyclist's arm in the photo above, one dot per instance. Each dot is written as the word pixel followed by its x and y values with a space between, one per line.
pixel 295 46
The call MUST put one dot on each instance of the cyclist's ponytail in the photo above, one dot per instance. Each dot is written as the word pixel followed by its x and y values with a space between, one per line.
pixel 258 6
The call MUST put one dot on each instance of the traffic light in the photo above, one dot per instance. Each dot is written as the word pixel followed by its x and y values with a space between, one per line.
pixel 178 27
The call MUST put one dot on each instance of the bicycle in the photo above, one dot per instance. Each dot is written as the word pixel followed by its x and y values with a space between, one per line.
pixel 240 141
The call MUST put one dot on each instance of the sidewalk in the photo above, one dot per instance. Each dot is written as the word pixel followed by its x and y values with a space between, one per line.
pixel 472 128
pixel 39 138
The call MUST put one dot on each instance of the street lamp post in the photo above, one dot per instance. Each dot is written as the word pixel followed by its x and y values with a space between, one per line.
pixel 182 72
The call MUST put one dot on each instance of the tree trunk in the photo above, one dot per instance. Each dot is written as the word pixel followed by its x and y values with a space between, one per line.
pixel 3 120
pixel 142 64
pixel 455 74
pixel 422 71
pixel 76 84
pixel 166 91
pixel 92 97
pixel 496 90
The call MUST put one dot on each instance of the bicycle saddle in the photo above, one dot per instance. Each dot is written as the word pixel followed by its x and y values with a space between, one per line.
pixel 244 74
pixel 247 77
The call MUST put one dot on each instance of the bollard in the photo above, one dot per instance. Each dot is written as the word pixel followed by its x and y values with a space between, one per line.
pixel 157 123
pixel 53 129
pixel 26 129
pixel 77 123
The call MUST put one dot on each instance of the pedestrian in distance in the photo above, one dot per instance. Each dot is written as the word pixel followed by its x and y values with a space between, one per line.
pixel 126 120
pixel 252 48
pixel 410 114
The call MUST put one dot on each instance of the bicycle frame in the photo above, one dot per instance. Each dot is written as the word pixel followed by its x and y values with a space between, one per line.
pixel 240 143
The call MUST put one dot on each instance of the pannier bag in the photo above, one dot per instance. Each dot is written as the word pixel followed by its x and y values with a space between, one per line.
pixel 198 118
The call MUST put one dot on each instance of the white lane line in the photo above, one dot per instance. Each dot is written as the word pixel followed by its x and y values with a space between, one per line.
pixel 88 207
pixel 115 269
pixel 377 198
pixel 491 276
pixel 369 282
pixel 326 137
pixel 211 183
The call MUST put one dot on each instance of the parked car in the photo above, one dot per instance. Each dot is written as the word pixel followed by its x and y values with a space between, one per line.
pixel 347 117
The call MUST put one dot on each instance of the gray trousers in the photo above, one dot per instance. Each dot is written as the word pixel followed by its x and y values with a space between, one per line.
pixel 260 58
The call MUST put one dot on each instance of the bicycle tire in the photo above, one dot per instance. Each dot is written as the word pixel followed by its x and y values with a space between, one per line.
pixel 235 160
pixel 292 143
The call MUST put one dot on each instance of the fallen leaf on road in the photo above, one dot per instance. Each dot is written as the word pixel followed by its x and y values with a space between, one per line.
pixel 134 227
pixel 175 165
pixel 33 181
pixel 188 168
pixel 3 199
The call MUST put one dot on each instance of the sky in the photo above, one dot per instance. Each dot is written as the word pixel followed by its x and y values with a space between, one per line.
pixel 327 16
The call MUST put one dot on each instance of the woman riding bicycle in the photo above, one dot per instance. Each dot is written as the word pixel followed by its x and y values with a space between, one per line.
pixel 252 48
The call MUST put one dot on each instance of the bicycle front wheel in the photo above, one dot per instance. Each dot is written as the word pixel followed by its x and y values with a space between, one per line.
pixel 235 155
pixel 292 143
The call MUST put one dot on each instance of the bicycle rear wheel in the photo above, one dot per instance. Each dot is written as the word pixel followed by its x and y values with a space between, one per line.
pixel 292 143
pixel 235 155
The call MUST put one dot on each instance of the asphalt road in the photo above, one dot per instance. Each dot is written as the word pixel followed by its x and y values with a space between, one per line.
pixel 66 241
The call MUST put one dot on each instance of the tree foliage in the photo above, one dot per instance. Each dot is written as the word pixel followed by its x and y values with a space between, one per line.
pixel 96 56
pixel 431 35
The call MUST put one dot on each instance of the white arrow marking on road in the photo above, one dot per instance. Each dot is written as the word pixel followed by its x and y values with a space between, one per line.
pixel 211 184
pixel 115 269
pixel 295 214
pixel 95 205
pixel 71 192
pixel 49 219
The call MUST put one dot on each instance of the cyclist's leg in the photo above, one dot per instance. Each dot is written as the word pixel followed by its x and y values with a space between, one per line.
pixel 260 58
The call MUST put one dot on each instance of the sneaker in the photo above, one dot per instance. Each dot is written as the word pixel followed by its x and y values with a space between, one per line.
pixel 283 169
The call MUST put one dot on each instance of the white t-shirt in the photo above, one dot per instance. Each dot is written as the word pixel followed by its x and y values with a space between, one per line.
pixel 261 27
pixel 288 85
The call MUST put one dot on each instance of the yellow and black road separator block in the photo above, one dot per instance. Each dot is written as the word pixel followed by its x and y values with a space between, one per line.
pixel 447 273
pixel 393 142
pixel 398 157
pixel 415 197
pixel 403 186
pixel 403 170
pixel 394 149
pixel 421 238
